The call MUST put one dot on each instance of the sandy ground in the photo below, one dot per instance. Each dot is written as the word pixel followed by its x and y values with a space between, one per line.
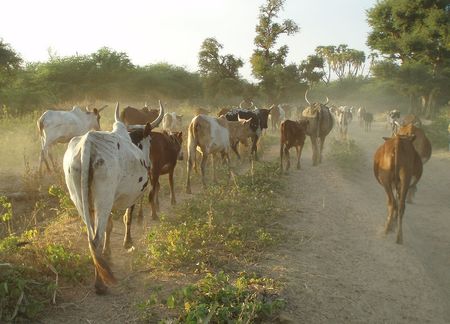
pixel 338 265
pixel 335 262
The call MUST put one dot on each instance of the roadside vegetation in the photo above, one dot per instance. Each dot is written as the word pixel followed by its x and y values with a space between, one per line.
pixel 347 155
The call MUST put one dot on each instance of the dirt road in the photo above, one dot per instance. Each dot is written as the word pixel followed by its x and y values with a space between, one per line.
pixel 338 265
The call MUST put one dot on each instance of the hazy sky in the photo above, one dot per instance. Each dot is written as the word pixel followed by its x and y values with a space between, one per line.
pixel 172 30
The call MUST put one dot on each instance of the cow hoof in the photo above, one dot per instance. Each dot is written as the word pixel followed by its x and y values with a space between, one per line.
pixel 128 244
pixel 188 191
pixel 100 289
pixel 155 217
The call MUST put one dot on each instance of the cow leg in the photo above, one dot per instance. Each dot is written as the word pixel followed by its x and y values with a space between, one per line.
pixel 172 189
pixel 392 208
pixel 411 193
pixel 140 217
pixel 152 199
pixel 288 157
pixel 401 211
pixel 254 150
pixel 203 167
pixel 213 165
pixel 314 150
pixel 189 169
pixel 321 143
pixel 107 245
pixel 127 217
pixel 54 164
pixel 299 149
pixel 235 149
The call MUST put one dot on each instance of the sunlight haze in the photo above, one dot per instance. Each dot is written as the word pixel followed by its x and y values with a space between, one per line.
pixel 172 31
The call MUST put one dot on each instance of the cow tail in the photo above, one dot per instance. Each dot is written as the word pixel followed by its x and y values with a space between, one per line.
pixel 396 166
pixel 282 131
pixel 101 266
pixel 40 127
pixel 192 143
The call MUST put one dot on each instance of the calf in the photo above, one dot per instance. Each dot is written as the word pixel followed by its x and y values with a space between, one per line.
pixel 293 134
pixel 210 136
pixel 165 151
pixel 397 167
pixel 61 126
pixel 105 170
pixel 172 122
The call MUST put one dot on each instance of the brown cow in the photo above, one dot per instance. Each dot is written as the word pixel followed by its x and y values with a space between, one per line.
pixel 421 144
pixel 320 125
pixel 134 116
pixel 293 133
pixel 165 151
pixel 397 166
pixel 275 115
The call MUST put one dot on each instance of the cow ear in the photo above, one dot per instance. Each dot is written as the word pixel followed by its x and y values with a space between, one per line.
pixel 386 138
pixel 95 111
pixel 180 116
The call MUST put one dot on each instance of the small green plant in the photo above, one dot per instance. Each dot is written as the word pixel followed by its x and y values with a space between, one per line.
pixel 6 213
pixel 20 293
pixel 69 265
pixel 65 204
pixel 219 224
pixel 218 299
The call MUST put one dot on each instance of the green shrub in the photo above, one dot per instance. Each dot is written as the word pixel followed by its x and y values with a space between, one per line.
pixel 437 132
pixel 220 224
pixel 20 293
pixel 218 299
pixel 68 264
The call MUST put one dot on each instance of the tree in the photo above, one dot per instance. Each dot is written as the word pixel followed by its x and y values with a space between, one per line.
pixel 267 62
pixel 10 63
pixel 413 35
pixel 312 69
pixel 220 73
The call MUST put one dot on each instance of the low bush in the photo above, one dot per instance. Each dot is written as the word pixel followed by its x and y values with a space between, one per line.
pixel 218 299
pixel 347 155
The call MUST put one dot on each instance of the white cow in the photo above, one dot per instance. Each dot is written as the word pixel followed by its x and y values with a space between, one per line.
pixel 210 136
pixel 172 122
pixel 104 171
pixel 61 126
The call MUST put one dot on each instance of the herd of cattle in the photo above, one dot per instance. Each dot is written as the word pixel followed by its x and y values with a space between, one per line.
pixel 107 170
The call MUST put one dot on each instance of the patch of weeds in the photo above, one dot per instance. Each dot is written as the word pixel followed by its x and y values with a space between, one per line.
pixel 347 155
pixel 65 205
pixel 68 264
pixel 220 224
pixel 20 294
pixel 6 213
pixel 218 299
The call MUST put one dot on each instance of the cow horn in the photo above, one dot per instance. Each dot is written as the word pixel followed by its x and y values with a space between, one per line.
pixel 116 113
pixel 306 97
pixel 327 100
pixel 157 121
pixel 145 105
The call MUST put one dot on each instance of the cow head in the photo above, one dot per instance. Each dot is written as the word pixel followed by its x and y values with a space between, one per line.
pixel 141 137
pixel 263 117
pixel 95 117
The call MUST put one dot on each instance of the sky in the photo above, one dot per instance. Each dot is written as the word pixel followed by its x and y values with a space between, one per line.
pixel 172 31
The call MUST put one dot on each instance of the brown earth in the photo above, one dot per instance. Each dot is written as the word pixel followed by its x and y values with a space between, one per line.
pixel 336 264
